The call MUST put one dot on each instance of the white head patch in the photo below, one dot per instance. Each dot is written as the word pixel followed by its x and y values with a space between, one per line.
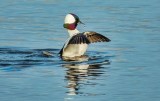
pixel 69 19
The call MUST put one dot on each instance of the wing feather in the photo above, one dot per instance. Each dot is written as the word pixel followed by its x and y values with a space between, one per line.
pixel 96 37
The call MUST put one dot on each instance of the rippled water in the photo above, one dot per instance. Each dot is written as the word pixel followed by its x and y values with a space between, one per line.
pixel 125 69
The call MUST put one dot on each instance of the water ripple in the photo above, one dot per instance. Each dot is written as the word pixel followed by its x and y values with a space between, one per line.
pixel 15 57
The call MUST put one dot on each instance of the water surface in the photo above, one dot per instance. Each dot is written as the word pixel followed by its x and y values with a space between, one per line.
pixel 125 69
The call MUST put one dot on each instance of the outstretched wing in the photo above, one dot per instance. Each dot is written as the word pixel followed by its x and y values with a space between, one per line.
pixel 96 37
pixel 87 38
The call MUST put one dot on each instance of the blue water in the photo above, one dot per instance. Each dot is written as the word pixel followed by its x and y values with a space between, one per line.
pixel 125 69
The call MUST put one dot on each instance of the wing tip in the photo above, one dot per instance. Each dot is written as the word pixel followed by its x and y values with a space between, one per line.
pixel 107 39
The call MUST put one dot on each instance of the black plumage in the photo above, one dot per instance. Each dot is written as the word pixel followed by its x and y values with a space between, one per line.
pixel 79 39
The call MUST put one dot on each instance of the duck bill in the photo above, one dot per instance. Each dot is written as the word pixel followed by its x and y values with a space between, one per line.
pixel 81 22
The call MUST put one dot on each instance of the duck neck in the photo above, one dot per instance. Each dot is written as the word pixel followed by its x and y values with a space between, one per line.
pixel 73 32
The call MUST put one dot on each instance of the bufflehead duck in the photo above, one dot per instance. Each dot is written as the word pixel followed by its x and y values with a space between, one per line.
pixel 77 43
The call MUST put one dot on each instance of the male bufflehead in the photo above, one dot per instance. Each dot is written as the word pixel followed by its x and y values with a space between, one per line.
pixel 76 44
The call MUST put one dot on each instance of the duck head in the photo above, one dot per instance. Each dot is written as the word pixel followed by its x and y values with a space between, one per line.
pixel 71 21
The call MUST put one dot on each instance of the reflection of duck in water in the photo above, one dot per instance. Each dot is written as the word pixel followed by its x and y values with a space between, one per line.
pixel 77 43
pixel 78 74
